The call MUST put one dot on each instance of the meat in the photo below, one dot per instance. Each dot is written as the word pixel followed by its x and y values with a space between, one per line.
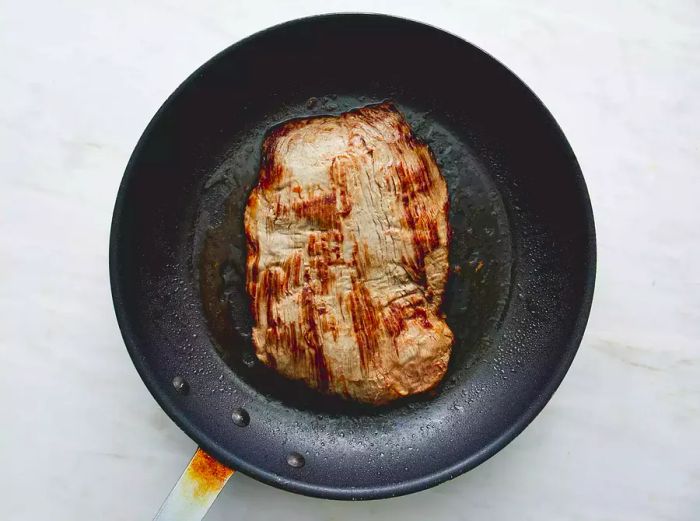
pixel 347 256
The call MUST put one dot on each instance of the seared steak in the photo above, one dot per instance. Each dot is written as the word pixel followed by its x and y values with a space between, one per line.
pixel 347 256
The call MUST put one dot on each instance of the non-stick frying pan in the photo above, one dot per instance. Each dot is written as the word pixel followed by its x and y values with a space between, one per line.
pixel 522 256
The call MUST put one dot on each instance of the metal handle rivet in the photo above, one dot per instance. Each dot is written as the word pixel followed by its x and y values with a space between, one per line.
pixel 296 460
pixel 181 385
pixel 240 417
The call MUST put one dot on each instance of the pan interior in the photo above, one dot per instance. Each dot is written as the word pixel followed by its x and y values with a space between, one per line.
pixel 518 205
pixel 480 253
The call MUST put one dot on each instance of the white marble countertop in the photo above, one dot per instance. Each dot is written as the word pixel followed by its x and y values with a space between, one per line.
pixel 81 438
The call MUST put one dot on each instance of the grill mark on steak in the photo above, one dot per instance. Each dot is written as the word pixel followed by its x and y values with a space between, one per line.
pixel 366 321
pixel 347 256
pixel 321 209
pixel 339 181
pixel 313 338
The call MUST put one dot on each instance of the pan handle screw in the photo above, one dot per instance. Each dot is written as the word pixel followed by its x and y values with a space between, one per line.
pixel 240 417
pixel 296 460
pixel 181 385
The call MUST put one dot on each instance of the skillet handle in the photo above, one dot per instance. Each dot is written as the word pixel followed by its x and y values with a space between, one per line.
pixel 196 490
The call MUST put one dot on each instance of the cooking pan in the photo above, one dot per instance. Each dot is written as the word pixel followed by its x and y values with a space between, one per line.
pixel 522 260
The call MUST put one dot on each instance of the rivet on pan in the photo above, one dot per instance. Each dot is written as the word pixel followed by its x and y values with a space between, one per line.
pixel 296 460
pixel 181 385
pixel 240 417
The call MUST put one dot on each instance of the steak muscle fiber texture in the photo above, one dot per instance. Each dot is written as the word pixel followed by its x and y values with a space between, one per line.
pixel 348 256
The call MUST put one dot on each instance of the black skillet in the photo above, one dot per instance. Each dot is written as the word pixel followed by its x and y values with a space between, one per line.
pixel 522 256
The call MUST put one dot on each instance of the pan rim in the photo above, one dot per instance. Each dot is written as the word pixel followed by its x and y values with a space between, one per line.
pixel 398 488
